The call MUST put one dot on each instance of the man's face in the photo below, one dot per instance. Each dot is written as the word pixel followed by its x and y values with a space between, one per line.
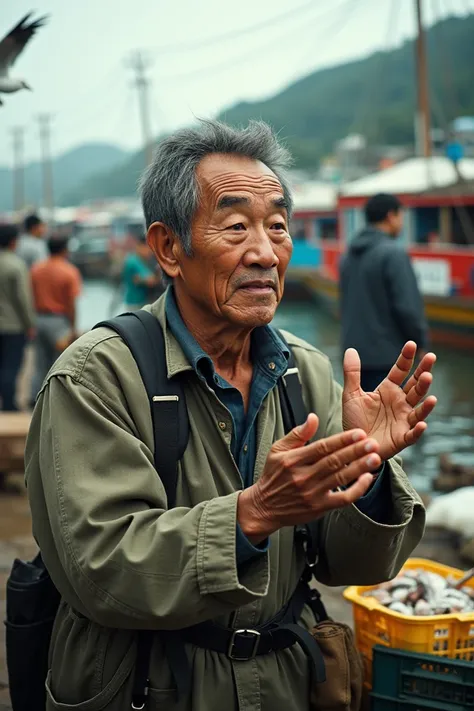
pixel 240 241
pixel 39 230
pixel 396 222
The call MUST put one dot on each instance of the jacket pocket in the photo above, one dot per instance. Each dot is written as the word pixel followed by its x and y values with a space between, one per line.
pixel 89 664
pixel 105 700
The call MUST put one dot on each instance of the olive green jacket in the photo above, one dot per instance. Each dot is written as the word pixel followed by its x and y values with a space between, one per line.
pixel 122 562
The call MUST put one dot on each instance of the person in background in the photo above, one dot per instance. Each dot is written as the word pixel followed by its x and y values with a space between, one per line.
pixel 138 277
pixel 17 318
pixel 381 305
pixel 56 285
pixel 31 246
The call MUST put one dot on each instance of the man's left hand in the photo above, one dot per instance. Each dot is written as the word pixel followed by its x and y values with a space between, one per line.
pixel 393 415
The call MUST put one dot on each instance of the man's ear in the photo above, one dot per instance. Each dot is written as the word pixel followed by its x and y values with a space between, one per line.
pixel 166 247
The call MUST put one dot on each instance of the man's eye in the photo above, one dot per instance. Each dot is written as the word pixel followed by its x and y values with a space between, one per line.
pixel 239 226
pixel 279 226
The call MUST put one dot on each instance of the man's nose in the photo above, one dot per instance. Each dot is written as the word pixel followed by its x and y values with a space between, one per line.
pixel 261 251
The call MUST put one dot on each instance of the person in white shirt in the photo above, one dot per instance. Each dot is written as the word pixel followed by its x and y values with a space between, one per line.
pixel 31 246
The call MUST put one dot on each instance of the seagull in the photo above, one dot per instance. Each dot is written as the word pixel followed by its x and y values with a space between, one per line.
pixel 11 47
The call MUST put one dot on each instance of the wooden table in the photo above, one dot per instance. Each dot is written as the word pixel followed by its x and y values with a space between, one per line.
pixel 13 430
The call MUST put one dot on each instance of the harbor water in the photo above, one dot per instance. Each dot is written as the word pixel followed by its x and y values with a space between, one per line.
pixel 451 427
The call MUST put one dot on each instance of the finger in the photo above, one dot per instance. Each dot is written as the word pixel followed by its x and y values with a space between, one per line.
pixel 327 447
pixel 425 366
pixel 403 365
pixel 348 474
pixel 298 436
pixel 420 389
pixel 339 499
pixel 421 412
pixel 341 459
pixel 351 367
pixel 414 435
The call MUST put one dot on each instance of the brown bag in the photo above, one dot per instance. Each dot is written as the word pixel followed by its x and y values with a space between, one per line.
pixel 342 690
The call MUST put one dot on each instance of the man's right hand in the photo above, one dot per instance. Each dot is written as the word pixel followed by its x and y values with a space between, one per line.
pixel 299 483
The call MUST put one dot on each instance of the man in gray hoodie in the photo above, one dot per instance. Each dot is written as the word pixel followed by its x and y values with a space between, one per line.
pixel 381 305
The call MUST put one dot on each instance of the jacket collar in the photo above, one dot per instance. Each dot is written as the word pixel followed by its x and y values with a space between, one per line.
pixel 177 361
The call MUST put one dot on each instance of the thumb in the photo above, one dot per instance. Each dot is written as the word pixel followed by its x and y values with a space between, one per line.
pixel 351 367
pixel 299 435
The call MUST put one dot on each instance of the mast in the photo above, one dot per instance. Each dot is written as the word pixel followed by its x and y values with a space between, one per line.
pixel 423 114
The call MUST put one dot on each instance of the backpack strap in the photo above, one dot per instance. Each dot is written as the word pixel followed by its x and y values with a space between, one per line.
pixel 294 413
pixel 142 333
pixel 292 405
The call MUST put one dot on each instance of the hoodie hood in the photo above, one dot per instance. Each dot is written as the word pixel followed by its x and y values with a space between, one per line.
pixel 367 239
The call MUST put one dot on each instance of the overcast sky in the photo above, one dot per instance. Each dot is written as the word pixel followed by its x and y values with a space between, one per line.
pixel 203 55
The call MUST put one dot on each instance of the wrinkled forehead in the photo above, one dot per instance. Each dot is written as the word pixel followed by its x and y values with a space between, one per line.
pixel 219 173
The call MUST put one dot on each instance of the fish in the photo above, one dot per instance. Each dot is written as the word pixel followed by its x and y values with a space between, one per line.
pixel 422 593
pixel 423 608
pixel 401 608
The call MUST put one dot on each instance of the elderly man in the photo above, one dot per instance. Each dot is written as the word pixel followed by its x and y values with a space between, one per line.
pixel 217 206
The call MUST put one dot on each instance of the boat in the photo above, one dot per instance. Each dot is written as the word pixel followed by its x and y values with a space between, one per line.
pixel 438 234
pixel 437 194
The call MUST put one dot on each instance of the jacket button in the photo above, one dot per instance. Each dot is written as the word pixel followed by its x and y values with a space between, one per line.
pixel 246 448
pixel 272 365
pixel 222 425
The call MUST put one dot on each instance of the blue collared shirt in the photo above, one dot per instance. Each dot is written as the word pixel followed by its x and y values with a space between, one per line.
pixel 269 355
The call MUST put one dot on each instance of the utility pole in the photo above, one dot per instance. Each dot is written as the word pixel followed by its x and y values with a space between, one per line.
pixel 44 121
pixel 139 65
pixel 18 168
pixel 423 114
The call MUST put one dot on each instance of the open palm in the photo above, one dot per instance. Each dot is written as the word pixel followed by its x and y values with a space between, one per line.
pixel 395 413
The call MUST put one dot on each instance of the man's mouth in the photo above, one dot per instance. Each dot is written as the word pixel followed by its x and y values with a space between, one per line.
pixel 258 286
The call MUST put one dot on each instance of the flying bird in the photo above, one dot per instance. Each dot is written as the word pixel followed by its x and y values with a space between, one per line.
pixel 11 47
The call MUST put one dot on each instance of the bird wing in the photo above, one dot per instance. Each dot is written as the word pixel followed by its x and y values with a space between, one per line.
pixel 15 41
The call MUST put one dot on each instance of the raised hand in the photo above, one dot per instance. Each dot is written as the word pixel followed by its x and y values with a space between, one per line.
pixel 301 483
pixel 392 415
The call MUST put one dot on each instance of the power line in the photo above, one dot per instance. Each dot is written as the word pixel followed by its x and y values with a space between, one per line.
pixel 44 122
pixel 236 34
pixel 211 69
pixel 18 133
pixel 139 65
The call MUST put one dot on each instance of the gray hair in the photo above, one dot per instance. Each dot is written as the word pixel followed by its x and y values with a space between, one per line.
pixel 169 188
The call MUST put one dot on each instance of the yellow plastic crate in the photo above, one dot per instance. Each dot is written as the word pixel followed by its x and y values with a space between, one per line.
pixel 441 635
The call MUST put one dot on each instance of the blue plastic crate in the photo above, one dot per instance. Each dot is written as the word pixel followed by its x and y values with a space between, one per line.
pixel 407 681
pixel 382 703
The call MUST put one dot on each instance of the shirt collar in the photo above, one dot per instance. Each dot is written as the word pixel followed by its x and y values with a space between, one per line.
pixel 268 348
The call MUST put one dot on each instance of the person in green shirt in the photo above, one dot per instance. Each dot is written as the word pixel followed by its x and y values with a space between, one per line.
pixel 138 277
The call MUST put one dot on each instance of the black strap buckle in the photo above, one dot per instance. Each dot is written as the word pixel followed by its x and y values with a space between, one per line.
pixel 244 635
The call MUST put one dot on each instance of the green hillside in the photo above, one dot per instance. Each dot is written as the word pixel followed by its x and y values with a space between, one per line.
pixel 70 170
pixel 374 96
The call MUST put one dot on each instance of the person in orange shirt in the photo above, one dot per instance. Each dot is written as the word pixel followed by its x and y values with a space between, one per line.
pixel 56 285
